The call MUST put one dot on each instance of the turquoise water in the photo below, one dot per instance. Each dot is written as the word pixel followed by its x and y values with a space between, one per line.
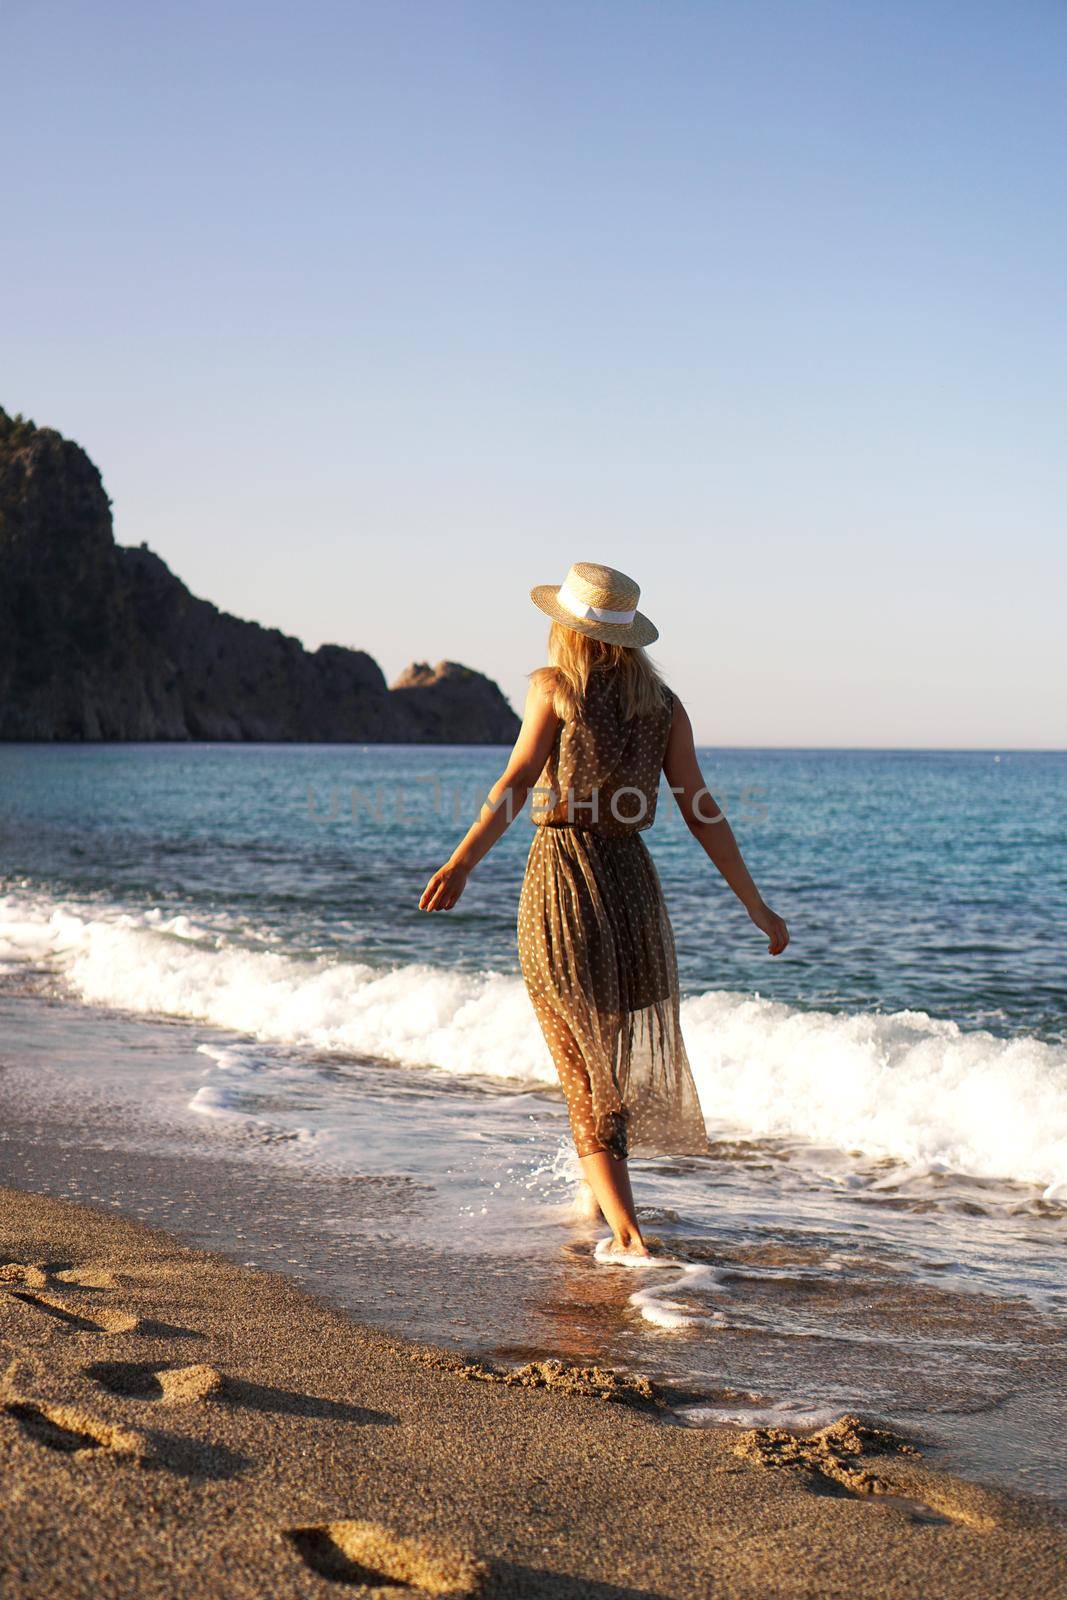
pixel 927 881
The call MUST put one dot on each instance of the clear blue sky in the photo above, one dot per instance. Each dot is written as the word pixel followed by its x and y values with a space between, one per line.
pixel 374 313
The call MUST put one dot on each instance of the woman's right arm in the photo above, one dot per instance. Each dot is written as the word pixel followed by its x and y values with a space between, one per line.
pixel 711 830
pixel 504 802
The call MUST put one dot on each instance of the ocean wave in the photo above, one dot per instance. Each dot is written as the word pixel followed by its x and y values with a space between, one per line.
pixel 906 1085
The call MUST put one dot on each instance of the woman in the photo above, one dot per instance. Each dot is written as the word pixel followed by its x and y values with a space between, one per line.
pixel 595 941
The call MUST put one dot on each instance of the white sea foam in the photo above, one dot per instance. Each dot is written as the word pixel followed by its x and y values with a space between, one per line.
pixel 793 1416
pixel 663 1312
pixel 658 1302
pixel 609 1257
pixel 906 1086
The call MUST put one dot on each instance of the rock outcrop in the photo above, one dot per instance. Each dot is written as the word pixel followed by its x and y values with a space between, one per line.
pixel 447 696
pixel 98 641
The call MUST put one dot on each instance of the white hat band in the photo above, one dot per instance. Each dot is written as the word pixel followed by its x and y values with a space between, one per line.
pixel 578 608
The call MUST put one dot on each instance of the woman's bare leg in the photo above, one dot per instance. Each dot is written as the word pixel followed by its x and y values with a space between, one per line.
pixel 609 1180
pixel 586 1204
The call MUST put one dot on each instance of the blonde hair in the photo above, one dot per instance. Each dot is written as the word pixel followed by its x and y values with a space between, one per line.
pixel 574 655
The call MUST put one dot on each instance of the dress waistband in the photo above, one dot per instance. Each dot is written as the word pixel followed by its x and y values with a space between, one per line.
pixel 596 832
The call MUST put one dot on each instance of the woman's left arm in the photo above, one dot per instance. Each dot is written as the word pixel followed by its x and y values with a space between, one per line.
pixel 506 799
pixel 711 829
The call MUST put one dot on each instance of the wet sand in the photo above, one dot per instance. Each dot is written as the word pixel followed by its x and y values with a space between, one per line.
pixel 174 1424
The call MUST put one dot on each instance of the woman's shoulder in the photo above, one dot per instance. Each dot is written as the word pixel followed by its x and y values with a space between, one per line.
pixel 546 679
pixel 544 691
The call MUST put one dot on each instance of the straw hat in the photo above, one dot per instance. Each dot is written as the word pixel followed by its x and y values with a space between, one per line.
pixel 598 601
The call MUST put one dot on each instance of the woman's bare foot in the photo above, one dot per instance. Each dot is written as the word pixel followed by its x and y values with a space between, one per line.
pixel 626 1251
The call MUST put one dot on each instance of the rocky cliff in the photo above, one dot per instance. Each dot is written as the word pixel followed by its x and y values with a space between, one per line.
pixel 102 642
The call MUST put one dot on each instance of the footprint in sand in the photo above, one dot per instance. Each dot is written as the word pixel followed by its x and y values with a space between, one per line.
pixel 167 1385
pixel 831 1461
pixel 98 1321
pixel 88 1278
pixel 23 1281
pixel 32 1276
pixel 20 1272
pixel 72 1430
pixel 385 1564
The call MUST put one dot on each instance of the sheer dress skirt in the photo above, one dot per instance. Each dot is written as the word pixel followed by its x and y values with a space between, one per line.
pixel 597 954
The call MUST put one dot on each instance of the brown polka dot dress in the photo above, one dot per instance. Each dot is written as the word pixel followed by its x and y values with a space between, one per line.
pixel 595 941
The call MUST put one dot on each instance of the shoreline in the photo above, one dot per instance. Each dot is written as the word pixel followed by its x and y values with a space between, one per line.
pixel 980 1376
pixel 175 1423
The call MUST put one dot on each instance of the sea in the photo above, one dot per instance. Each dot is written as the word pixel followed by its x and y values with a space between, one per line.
pixel 221 1011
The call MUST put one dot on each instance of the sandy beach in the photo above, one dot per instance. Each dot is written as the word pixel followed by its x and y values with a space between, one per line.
pixel 173 1424
pixel 531 560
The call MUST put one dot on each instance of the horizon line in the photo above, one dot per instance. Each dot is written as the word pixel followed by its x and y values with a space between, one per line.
pixel 364 745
